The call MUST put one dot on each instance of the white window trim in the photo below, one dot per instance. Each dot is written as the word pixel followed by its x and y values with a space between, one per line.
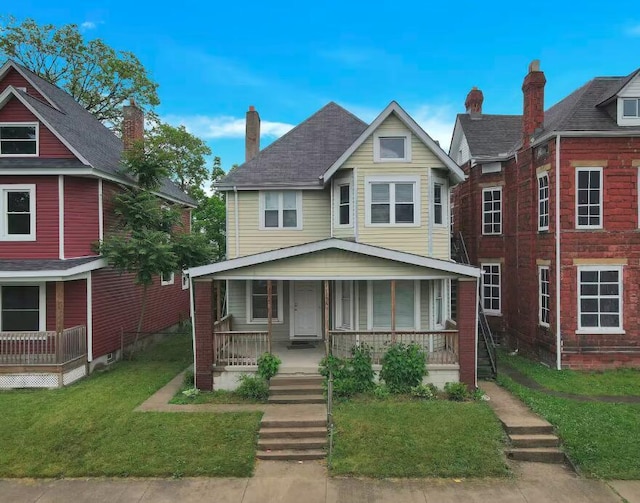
pixel 443 292
pixel 601 330
pixel 261 210
pixel 278 317
pixel 336 199
pixel 601 203
pixel 185 281
pixel 627 120
pixel 540 269
pixel 26 124
pixel 42 315
pixel 416 306
pixel 544 174
pixel 491 312
pixel 444 201
pixel 491 189
pixel 392 134
pixel 31 188
pixel 170 281
pixel 339 315
pixel 369 180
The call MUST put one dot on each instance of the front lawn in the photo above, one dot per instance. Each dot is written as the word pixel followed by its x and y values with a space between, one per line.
pixel 409 438
pixel 602 439
pixel 90 429
pixel 621 382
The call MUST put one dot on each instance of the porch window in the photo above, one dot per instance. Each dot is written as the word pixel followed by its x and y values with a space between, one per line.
pixel 438 303
pixel 392 202
pixel 21 309
pixel 281 209
pixel 258 301
pixel 19 140
pixel 380 304
pixel 18 204
pixel 344 296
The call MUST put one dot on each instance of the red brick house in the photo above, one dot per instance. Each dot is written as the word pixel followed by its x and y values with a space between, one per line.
pixel 62 310
pixel 549 211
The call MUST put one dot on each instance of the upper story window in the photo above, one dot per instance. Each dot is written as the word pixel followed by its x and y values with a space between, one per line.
pixel 18 219
pixel 18 139
pixel 281 209
pixel 439 200
pixel 631 108
pixel 167 278
pixel 544 297
pixel 392 147
pixel 392 201
pixel 343 204
pixel 490 291
pixel 589 198
pixel 492 210
pixel 543 202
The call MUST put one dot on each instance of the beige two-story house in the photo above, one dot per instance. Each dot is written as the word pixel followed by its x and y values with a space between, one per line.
pixel 337 234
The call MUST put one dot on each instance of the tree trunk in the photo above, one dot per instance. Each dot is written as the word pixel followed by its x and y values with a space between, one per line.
pixel 145 290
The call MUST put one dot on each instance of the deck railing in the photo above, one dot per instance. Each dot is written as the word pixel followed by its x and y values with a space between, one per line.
pixel 239 349
pixel 440 347
pixel 42 348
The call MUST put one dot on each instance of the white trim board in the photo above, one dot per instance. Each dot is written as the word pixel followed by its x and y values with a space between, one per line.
pixel 10 64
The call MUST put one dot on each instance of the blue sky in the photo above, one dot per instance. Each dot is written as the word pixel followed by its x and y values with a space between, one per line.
pixel 214 59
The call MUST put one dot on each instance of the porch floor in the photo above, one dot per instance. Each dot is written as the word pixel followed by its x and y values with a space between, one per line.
pixel 304 360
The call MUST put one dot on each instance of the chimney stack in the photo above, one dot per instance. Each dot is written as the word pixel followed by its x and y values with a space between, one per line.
pixel 132 124
pixel 533 110
pixel 252 134
pixel 473 103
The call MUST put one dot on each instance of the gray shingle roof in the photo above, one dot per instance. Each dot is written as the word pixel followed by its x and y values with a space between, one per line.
pixel 491 135
pixel 23 265
pixel 301 156
pixel 87 135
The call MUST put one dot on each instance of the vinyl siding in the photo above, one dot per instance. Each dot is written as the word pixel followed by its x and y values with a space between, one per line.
pixel 13 78
pixel 632 89
pixel 81 226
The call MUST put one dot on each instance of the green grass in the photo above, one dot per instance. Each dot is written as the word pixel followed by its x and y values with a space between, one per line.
pixel 602 439
pixel 621 382
pixel 220 396
pixel 90 429
pixel 405 438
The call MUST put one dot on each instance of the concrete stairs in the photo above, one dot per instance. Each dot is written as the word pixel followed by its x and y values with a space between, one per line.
pixel 535 443
pixel 296 428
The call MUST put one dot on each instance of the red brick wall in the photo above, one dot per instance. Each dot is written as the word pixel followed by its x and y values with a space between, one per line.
pixel 203 324
pixel 467 330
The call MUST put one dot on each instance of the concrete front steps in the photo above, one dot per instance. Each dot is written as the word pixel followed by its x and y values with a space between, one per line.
pixel 297 428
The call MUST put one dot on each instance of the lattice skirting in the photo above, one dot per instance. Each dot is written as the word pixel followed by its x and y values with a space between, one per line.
pixel 34 379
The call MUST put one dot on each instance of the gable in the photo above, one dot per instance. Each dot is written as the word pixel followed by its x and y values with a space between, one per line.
pixel 632 89
pixel 13 78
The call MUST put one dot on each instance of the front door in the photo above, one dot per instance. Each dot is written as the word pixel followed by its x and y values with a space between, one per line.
pixel 305 310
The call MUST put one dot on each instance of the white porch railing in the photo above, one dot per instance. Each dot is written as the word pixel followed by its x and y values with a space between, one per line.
pixel 42 348
pixel 440 347
pixel 239 349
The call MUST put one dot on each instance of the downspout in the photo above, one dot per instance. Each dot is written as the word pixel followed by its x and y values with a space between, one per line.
pixel 558 263
pixel 237 219
pixel 193 327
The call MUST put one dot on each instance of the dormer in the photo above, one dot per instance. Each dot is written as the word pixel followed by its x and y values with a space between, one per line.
pixel 624 103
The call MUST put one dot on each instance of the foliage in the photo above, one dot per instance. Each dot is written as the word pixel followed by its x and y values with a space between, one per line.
pixel 189 379
pixel 268 365
pixel 457 391
pixel 362 367
pixel 425 391
pixel 403 367
pixel 96 75
pixel 253 388
pixel 191 392
pixel 209 218
pixel 350 375
pixel 381 391
pixel 478 394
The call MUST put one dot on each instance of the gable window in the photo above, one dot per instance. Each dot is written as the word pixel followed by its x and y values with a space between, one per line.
pixel 438 203
pixel 344 204
pixel 379 304
pixel 490 288
pixel 18 220
pixel 600 299
pixel 392 202
pixel 19 139
pixel 281 209
pixel 257 301
pixel 167 278
pixel 589 198
pixel 631 108
pixel 23 308
pixel 392 147
pixel 492 210
pixel 543 202
pixel 544 297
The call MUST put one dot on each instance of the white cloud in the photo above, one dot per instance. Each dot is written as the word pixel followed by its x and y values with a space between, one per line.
pixel 437 121
pixel 634 30
pixel 224 126
pixel 88 25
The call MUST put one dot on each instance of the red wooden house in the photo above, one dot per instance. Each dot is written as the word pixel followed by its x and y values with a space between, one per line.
pixel 62 309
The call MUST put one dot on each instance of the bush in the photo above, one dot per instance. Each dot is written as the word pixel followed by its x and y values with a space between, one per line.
pixel 362 368
pixel 381 391
pixel 457 391
pixel 253 388
pixel 189 379
pixel 268 365
pixel 350 375
pixel 403 367
pixel 425 391
pixel 191 392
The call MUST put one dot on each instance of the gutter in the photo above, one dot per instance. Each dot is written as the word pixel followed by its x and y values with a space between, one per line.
pixel 587 134
pixel 558 256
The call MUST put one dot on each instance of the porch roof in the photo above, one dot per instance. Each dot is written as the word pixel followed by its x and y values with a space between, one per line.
pixel 334 259
pixel 16 269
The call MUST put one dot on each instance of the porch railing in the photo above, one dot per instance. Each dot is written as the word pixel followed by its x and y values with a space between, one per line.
pixel 440 347
pixel 239 349
pixel 42 348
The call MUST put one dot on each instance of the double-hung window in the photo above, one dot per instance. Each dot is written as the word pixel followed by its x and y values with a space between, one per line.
pixel 589 198
pixel 343 203
pixel 18 219
pixel 281 209
pixel 490 288
pixel 167 278
pixel 23 308
pixel 439 195
pixel 392 202
pixel 543 202
pixel 18 139
pixel 438 303
pixel 544 296
pixel 600 299
pixel 344 304
pixel 379 298
pixel 258 303
pixel 492 210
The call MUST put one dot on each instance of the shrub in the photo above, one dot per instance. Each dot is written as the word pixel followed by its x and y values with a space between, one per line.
pixel 403 367
pixel 457 391
pixel 191 392
pixel 189 379
pixel 381 391
pixel 253 388
pixel 362 368
pixel 425 391
pixel 350 375
pixel 268 365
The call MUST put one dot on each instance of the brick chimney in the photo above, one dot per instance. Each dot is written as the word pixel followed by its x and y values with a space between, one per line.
pixel 252 134
pixel 473 103
pixel 132 124
pixel 533 110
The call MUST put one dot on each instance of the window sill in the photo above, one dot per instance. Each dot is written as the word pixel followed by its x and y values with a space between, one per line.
pixel 280 229
pixel 17 238
pixel 493 313
pixel 383 160
pixel 367 224
pixel 600 331
pixel 594 228
pixel 496 235
pixel 274 321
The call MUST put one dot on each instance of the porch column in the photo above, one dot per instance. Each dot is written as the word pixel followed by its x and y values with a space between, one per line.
pixel 393 310
pixel 326 317
pixel 269 313
pixel 218 301
pixel 59 320
pixel 468 330
pixel 203 330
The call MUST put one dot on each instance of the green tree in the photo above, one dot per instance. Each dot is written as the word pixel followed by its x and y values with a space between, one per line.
pixel 96 75
pixel 209 218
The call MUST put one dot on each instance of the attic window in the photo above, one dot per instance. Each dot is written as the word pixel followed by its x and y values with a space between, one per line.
pixel 631 108
pixel 392 147
pixel 18 139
